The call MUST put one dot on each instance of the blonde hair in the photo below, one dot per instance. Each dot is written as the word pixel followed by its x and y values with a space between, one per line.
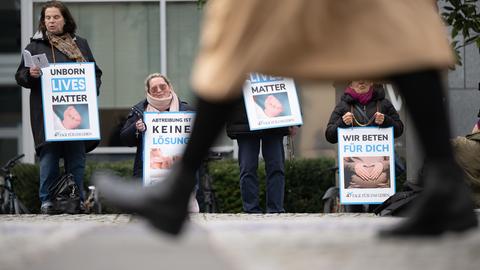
pixel 156 75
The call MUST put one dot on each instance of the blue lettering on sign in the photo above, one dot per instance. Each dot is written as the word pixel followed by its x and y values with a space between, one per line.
pixel 260 78
pixel 352 148
pixel 68 84
pixel 377 148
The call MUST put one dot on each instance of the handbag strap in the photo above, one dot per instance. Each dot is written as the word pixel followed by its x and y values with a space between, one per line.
pixel 364 114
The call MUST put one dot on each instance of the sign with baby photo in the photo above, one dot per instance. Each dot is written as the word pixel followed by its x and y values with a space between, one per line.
pixel 366 163
pixel 70 110
pixel 271 102
pixel 164 140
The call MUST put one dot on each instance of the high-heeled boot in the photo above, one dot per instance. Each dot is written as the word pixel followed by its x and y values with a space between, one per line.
pixel 444 206
pixel 165 204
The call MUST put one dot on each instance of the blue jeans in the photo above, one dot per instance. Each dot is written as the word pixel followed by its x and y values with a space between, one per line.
pixel 274 156
pixel 73 154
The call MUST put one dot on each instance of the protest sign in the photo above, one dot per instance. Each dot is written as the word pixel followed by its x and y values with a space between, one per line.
pixel 70 106
pixel 366 165
pixel 166 136
pixel 271 102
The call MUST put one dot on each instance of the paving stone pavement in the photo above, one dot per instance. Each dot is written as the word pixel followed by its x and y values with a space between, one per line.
pixel 226 241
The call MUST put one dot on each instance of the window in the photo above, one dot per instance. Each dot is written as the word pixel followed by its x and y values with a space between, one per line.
pixel 10 22
pixel 183 26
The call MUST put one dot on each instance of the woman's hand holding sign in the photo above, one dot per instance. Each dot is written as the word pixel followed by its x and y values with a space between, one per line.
pixel 379 118
pixel 347 118
pixel 35 72
pixel 140 125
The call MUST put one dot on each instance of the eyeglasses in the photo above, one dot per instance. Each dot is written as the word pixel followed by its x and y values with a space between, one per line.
pixel 161 87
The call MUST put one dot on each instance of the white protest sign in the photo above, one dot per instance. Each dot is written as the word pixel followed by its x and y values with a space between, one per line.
pixel 70 106
pixel 271 102
pixel 366 165
pixel 165 138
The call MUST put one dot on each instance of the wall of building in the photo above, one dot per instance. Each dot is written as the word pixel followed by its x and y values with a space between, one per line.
pixel 178 41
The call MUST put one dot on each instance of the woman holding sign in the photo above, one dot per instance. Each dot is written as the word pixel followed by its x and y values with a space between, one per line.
pixel 56 39
pixel 159 97
pixel 362 104
pixel 249 145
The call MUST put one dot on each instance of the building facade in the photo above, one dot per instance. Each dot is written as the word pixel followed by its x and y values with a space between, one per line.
pixel 131 39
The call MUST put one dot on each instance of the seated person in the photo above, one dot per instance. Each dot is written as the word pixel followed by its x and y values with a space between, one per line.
pixel 466 153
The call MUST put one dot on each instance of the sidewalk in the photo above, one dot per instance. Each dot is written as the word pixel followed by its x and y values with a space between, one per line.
pixel 226 241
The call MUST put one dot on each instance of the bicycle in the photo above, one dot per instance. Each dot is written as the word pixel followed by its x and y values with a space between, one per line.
pixel 206 191
pixel 331 198
pixel 9 202
pixel 92 203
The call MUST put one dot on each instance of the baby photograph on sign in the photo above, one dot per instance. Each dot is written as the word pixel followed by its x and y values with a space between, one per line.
pixel 272 105
pixel 71 116
pixel 271 102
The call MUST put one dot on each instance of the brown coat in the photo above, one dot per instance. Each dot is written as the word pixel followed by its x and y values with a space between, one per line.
pixel 315 39
pixel 466 153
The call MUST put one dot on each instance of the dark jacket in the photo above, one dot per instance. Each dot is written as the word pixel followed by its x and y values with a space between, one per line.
pixel 392 119
pixel 38 45
pixel 237 124
pixel 130 137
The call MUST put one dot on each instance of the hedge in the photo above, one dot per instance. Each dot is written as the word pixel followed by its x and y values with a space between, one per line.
pixel 27 182
pixel 306 182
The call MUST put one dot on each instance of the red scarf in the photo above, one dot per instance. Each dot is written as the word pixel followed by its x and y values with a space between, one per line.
pixel 362 98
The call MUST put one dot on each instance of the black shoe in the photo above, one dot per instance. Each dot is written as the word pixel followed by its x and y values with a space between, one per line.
pixel 163 204
pixel 47 208
pixel 444 206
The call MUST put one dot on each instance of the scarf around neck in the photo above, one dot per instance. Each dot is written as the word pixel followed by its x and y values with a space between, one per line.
pixel 169 103
pixel 65 44
pixel 362 98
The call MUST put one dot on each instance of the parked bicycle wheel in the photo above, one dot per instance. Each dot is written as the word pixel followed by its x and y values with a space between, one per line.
pixel 92 203
pixel 331 203
pixel 210 203
pixel 9 202
pixel 4 201
pixel 19 207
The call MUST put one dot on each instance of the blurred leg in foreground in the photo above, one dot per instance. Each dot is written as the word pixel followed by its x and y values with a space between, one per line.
pixel 446 204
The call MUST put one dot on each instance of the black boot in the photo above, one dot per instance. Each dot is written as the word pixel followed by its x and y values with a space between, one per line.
pixel 165 204
pixel 445 205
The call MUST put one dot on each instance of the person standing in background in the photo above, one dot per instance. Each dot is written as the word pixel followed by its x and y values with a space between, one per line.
pixel 159 97
pixel 249 144
pixel 56 38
